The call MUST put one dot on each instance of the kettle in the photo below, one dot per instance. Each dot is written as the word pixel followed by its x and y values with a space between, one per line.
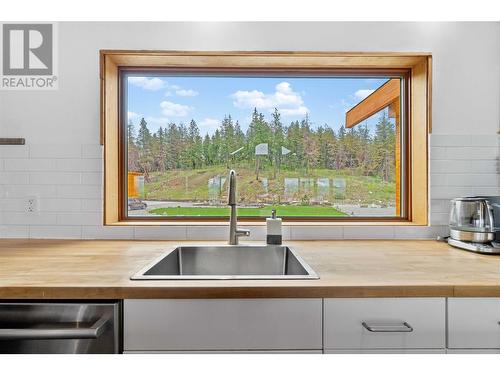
pixel 475 219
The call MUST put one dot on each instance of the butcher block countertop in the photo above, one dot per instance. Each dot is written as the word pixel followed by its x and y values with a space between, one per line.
pixel 97 269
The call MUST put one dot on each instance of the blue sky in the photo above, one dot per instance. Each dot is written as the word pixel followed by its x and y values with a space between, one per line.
pixel 164 99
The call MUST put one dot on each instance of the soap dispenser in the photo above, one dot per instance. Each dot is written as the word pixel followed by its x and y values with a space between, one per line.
pixel 274 236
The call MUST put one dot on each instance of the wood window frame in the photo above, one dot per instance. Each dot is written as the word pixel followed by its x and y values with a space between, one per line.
pixel 415 66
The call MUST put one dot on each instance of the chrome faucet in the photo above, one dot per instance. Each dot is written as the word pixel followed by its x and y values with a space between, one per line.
pixel 234 232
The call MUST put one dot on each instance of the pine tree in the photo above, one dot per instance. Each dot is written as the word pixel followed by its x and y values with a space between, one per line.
pixel 384 148
pixel 131 147
pixel 311 150
pixel 195 146
pixel 145 159
pixel 144 135
pixel 277 140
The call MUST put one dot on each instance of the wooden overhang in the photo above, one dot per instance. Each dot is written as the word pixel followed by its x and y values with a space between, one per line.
pixel 386 95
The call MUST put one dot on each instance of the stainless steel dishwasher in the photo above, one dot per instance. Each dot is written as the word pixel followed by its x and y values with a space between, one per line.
pixel 59 327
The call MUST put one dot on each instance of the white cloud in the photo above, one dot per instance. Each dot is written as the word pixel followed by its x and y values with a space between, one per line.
pixel 299 111
pixel 132 115
pixel 250 99
pixel 285 96
pixel 363 93
pixel 288 102
pixel 152 84
pixel 174 109
pixel 209 125
pixel 154 123
pixel 184 92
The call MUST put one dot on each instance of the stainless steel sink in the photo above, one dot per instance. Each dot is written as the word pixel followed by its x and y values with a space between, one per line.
pixel 227 262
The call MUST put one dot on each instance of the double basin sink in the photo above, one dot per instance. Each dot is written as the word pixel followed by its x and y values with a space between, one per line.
pixel 271 262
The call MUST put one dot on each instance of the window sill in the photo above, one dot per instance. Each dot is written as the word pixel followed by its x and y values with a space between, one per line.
pixel 151 223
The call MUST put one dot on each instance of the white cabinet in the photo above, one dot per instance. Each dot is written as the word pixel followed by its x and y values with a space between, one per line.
pixel 473 323
pixel 384 323
pixel 271 351
pixel 312 325
pixel 222 324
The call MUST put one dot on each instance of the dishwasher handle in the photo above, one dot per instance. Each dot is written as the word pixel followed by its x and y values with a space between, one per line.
pixel 55 333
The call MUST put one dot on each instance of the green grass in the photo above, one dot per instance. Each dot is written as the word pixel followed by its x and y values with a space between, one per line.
pixel 320 211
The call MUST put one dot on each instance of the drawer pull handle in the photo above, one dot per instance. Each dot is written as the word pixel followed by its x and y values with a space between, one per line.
pixel 381 327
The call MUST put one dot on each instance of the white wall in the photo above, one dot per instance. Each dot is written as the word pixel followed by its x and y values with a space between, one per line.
pixel 61 163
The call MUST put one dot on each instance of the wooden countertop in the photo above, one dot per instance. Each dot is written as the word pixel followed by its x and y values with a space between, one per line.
pixel 76 269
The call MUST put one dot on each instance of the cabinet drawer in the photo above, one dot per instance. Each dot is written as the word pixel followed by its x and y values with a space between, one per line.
pixel 384 323
pixel 222 324
pixel 474 323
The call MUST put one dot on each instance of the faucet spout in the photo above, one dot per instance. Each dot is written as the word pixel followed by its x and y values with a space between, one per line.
pixel 234 232
pixel 231 199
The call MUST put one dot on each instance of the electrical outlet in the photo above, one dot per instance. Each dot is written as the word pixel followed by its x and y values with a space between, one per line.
pixel 31 204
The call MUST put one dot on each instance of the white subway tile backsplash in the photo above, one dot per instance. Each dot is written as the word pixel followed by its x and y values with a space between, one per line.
pixel 449 192
pixel 14 231
pixel 79 191
pixel 92 151
pixel 484 166
pixel 19 191
pixel 55 178
pixel 486 180
pixel 438 153
pixel 464 166
pixel 12 204
pixel 91 178
pixel 438 179
pixel 207 232
pixel 92 205
pixel 450 166
pixel 55 231
pixel 108 233
pixel 464 140
pixel 318 233
pixel 32 218
pixel 480 190
pixel 79 218
pixel 14 151
pixel 59 205
pixel 30 164
pixel 79 165
pixel 482 140
pixel 454 140
pixel 440 218
pixel 471 153
pixel 440 205
pixel 160 233
pixel 67 180
pixel 55 151
pixel 15 178
pixel 428 232
pixel 368 232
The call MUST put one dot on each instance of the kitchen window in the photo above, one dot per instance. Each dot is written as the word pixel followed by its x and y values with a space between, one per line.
pixel 320 137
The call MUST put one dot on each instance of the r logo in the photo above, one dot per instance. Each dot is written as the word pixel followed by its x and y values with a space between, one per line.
pixel 27 49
